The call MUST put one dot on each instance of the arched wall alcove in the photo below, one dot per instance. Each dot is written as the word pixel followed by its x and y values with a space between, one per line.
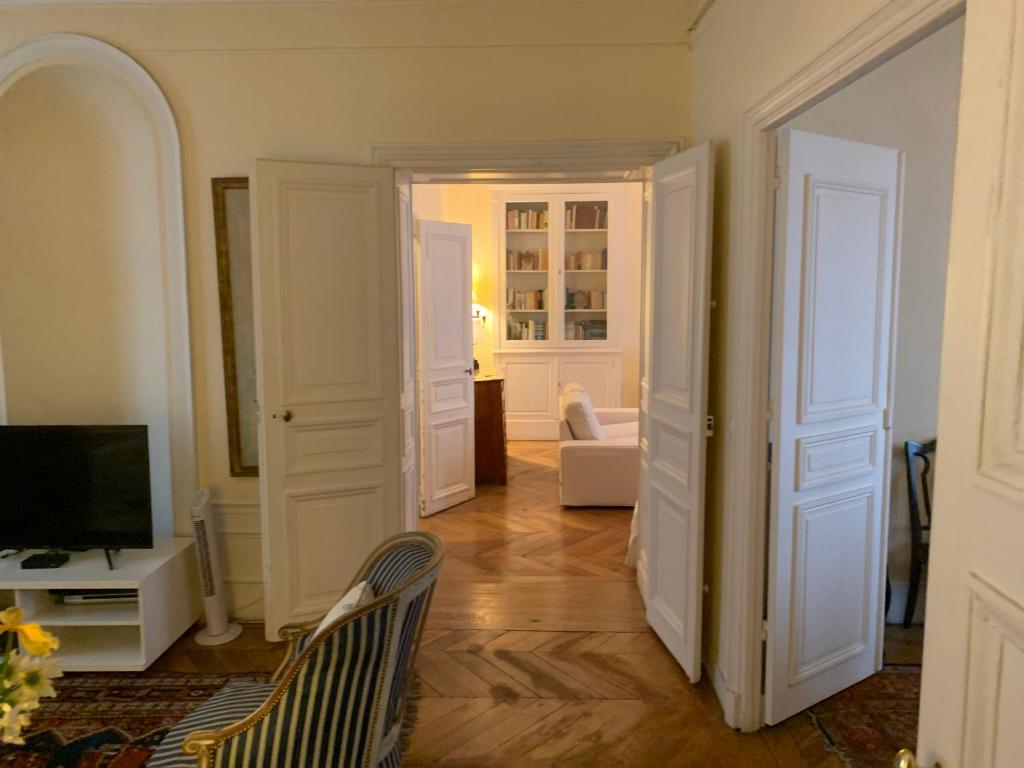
pixel 93 303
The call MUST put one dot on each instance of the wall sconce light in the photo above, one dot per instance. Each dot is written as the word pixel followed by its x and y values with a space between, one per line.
pixel 479 321
pixel 479 313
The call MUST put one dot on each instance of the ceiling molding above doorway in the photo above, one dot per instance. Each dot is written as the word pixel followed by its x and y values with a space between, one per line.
pixel 493 160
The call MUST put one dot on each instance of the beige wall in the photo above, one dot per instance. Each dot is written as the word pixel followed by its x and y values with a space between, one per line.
pixel 81 302
pixel 742 49
pixel 910 103
pixel 321 81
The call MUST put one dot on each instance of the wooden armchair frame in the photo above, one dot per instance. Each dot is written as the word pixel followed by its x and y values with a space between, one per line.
pixel 204 744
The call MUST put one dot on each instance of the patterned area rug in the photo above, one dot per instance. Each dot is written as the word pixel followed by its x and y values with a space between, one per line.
pixel 867 724
pixel 112 720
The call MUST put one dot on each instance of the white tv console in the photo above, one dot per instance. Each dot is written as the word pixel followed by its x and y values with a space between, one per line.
pixel 111 636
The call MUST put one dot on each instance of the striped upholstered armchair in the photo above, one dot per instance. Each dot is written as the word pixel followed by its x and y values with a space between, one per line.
pixel 338 698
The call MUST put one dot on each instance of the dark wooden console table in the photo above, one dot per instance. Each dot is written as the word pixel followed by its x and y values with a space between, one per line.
pixel 491 454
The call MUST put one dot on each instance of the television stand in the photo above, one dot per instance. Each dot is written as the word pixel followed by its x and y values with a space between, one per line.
pixel 98 636
pixel 110 560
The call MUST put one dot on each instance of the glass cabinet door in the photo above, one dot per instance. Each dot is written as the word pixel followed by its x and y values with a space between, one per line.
pixel 527 304
pixel 585 302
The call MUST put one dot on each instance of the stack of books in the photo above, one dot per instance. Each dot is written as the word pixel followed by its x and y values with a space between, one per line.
pixel 527 330
pixel 586 216
pixel 524 300
pixel 526 219
pixel 580 260
pixel 526 261
pixel 586 330
pixel 592 299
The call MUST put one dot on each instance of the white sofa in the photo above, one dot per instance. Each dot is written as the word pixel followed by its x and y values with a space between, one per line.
pixel 601 469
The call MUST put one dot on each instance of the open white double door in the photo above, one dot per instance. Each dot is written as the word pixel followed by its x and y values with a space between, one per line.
pixel 836 230
pixel 337 376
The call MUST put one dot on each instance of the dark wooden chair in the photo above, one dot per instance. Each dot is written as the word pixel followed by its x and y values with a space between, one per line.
pixel 919 466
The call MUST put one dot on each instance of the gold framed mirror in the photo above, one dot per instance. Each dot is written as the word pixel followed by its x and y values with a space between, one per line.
pixel 234 278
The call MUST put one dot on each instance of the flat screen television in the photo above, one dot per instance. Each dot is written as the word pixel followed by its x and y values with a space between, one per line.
pixel 75 487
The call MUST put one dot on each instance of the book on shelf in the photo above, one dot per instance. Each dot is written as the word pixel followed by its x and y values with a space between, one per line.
pixel 586 260
pixel 586 216
pixel 524 300
pixel 527 330
pixel 526 261
pixel 586 330
pixel 527 218
pixel 592 299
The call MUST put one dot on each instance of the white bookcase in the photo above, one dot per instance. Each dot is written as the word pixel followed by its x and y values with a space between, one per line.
pixel 111 636
pixel 563 259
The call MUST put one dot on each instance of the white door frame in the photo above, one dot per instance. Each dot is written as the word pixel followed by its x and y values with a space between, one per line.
pixel 894 27
pixel 514 162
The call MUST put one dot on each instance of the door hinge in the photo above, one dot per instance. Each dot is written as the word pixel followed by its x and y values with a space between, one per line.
pixel 764 630
pixel 709 425
pixel 887 418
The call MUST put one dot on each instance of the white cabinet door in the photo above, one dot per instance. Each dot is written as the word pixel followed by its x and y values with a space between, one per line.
pixel 325 281
pixel 600 375
pixel 972 693
pixel 674 407
pixel 446 362
pixel 837 232
pixel 531 395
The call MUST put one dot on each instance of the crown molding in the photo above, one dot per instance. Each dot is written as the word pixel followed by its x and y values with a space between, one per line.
pixel 589 155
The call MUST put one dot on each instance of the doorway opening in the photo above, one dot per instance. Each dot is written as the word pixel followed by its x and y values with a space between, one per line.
pixel 860 219
pixel 535 586
pixel 531 288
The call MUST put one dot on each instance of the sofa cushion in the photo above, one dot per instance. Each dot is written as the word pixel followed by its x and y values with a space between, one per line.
pixel 579 413
pixel 622 429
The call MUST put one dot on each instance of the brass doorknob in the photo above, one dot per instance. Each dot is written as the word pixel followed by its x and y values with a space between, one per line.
pixel 905 759
pixel 286 416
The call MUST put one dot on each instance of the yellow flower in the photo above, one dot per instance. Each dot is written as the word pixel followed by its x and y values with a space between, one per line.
pixel 33 676
pixel 13 718
pixel 31 637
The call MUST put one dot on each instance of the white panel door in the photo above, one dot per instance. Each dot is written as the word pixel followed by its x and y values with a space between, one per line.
pixel 836 242
pixel 325 281
pixel 972 692
pixel 446 361
pixel 674 403
pixel 407 328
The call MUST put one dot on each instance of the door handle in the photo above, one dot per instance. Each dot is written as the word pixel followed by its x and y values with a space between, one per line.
pixel 905 759
pixel 286 416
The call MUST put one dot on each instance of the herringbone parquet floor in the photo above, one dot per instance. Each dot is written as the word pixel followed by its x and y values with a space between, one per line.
pixel 536 651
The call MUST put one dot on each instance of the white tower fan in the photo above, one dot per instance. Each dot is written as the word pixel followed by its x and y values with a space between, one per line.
pixel 218 629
